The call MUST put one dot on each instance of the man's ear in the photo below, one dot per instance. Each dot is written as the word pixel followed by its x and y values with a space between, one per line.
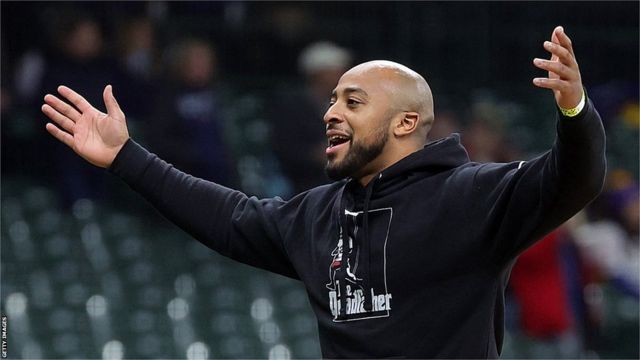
pixel 407 124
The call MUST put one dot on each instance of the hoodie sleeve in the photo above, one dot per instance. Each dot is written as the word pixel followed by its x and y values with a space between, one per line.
pixel 243 228
pixel 529 199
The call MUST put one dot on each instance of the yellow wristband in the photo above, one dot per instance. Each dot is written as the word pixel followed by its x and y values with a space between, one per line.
pixel 576 110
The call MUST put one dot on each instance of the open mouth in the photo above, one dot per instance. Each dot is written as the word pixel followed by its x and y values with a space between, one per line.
pixel 335 143
pixel 336 140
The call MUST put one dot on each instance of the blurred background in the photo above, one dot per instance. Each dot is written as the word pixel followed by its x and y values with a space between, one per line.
pixel 234 92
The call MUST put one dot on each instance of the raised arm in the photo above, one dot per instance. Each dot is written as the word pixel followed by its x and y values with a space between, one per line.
pixel 242 228
pixel 95 136
pixel 531 198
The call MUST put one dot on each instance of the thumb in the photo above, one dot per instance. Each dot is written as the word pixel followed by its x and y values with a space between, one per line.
pixel 110 102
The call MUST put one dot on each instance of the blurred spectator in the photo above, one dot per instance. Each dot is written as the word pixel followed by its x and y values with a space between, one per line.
pixel 613 244
pixel 484 137
pixel 137 47
pixel 298 133
pixel 79 59
pixel 286 28
pixel 137 55
pixel 188 128
pixel 28 76
pixel 609 246
pixel 541 291
pixel 618 104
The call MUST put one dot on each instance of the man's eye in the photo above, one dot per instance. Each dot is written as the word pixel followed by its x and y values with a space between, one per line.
pixel 353 102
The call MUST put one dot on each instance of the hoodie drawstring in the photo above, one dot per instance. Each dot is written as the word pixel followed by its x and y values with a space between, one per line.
pixel 366 246
pixel 343 263
pixel 343 270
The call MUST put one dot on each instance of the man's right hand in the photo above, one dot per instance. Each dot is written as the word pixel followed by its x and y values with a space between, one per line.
pixel 95 136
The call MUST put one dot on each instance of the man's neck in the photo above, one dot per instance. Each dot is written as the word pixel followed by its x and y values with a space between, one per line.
pixel 386 160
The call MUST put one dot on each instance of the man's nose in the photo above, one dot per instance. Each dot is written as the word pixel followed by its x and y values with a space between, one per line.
pixel 332 115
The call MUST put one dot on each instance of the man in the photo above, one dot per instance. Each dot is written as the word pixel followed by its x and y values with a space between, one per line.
pixel 410 254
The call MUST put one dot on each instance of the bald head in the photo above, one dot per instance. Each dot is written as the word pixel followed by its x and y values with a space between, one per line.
pixel 407 89
pixel 379 113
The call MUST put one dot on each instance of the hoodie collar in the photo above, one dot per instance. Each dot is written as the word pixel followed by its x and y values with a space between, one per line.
pixel 438 155
pixel 433 158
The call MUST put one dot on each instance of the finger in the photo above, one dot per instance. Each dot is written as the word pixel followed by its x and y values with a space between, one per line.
pixel 58 118
pixel 554 39
pixel 560 52
pixel 563 39
pixel 554 35
pixel 75 98
pixel 110 101
pixel 553 84
pixel 556 67
pixel 62 107
pixel 64 137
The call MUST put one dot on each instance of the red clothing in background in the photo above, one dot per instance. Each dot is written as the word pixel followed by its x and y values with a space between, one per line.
pixel 540 289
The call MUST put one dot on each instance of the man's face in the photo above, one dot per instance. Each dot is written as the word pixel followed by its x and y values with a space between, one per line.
pixel 357 124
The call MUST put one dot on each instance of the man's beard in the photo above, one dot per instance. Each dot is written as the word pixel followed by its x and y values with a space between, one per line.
pixel 358 157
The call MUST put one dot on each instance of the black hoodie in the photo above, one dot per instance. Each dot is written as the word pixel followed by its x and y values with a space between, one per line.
pixel 413 265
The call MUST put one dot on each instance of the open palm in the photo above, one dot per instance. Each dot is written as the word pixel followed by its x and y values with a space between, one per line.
pixel 95 136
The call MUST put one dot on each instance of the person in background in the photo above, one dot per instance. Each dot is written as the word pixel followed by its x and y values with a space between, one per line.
pixel 299 109
pixel 485 137
pixel 606 238
pixel 612 243
pixel 137 55
pixel 188 124
pixel 540 287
